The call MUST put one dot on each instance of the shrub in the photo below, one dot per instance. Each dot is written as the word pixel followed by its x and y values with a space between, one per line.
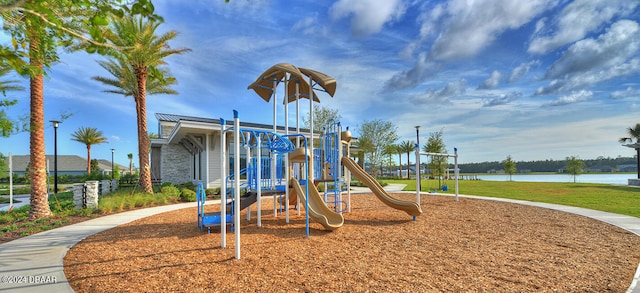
pixel 187 195
pixel 171 192
pixel 212 192
pixel 188 185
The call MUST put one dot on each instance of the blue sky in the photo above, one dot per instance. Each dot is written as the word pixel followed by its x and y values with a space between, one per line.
pixel 537 79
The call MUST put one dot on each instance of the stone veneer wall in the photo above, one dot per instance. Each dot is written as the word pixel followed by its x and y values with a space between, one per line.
pixel 92 193
pixel 176 164
pixel 87 194
pixel 106 187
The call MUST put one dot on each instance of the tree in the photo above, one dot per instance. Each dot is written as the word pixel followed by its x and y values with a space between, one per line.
pixel 375 135
pixel 362 146
pixel 634 134
pixel 391 150
pixel 322 117
pixel 124 81
pixel 407 146
pixel 37 29
pixel 4 168
pixel 575 167
pixel 116 172
pixel 144 55
pixel 88 136
pixel 435 144
pixel 509 166
pixel 7 126
pixel 130 156
pixel 95 173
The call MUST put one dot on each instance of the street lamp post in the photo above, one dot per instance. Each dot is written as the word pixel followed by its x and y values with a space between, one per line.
pixel 112 153
pixel 418 158
pixel 55 123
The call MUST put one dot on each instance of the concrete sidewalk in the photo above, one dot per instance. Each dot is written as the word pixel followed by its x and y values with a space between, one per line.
pixel 23 199
pixel 35 263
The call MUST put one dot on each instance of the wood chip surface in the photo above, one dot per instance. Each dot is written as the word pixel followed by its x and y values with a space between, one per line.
pixel 470 245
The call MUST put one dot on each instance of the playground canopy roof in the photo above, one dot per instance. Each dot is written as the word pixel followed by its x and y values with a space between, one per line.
pixel 264 84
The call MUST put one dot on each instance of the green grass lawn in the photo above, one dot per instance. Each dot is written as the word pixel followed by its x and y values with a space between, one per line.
pixel 603 197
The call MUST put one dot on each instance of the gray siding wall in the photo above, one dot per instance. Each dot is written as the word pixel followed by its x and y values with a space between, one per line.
pixel 214 161
pixel 176 164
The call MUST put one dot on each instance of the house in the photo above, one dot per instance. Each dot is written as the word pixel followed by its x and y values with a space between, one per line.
pixel 67 165
pixel 188 148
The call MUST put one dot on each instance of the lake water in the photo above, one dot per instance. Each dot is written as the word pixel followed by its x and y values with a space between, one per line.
pixel 584 178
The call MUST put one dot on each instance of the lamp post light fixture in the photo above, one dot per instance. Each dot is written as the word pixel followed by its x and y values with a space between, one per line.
pixel 112 169
pixel 55 123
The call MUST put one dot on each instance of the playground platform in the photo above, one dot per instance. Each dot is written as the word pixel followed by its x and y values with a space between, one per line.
pixel 39 258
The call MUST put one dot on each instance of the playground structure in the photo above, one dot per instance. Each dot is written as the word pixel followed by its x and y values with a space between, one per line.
pixel 288 166
pixel 456 170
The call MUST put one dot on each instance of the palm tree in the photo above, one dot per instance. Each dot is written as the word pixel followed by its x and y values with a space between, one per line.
pixel 634 134
pixel 390 150
pixel 89 136
pixel 8 85
pixel 400 152
pixel 130 156
pixel 141 59
pixel 7 126
pixel 408 146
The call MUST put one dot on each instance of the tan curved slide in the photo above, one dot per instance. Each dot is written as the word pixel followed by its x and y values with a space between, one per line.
pixel 318 210
pixel 410 207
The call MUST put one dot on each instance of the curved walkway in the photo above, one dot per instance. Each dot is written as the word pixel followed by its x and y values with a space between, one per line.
pixel 35 263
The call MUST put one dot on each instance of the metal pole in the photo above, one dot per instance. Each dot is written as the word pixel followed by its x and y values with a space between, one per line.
pixel 112 166
pixel 10 181
pixel 418 187
pixel 259 179
pixel 236 181
pixel 455 171
pixel 55 155
pixel 638 161
pixel 286 158
pixel 223 188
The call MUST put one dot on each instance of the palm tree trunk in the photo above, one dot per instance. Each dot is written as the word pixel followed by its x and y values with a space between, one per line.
pixel 39 195
pixel 409 167
pixel 143 136
pixel 88 159
pixel 400 167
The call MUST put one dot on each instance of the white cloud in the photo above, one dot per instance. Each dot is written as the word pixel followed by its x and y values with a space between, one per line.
pixel 628 93
pixel 591 61
pixel 423 69
pixel 575 21
pixel 574 97
pixel 521 71
pixel 503 99
pixel 469 27
pixel 492 81
pixel 368 16
pixel 463 29
pixel 443 95
pixel 308 25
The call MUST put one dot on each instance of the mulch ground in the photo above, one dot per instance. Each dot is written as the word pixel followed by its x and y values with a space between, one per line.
pixel 470 245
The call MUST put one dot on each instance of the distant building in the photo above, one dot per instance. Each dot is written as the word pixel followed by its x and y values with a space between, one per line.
pixel 627 168
pixel 67 165
pixel 600 169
